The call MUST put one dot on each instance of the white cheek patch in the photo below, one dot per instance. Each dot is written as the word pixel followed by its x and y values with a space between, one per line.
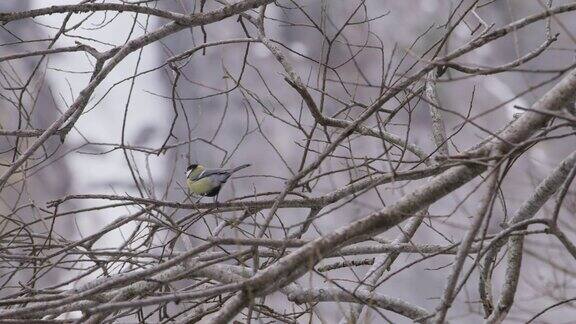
pixel 188 173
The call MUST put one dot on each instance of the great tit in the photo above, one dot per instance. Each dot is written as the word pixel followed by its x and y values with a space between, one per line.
pixel 208 182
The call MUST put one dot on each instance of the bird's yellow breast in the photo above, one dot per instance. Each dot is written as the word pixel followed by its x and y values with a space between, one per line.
pixel 201 186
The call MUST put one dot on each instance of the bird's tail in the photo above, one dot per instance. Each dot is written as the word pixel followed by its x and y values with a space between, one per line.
pixel 238 168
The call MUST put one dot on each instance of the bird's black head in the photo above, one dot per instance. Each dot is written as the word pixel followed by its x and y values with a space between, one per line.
pixel 192 167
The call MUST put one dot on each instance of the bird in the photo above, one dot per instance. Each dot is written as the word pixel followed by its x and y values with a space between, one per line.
pixel 208 182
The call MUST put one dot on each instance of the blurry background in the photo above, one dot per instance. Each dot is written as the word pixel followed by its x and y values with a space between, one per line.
pixel 245 124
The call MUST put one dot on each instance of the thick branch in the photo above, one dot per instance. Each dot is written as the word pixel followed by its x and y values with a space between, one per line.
pixel 286 268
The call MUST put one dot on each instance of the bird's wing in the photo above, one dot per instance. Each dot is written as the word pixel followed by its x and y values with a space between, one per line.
pixel 220 174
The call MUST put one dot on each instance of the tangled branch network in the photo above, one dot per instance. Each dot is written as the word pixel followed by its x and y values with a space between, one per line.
pixel 410 161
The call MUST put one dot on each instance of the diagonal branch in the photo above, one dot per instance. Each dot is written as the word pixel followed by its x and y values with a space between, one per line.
pixel 129 47
pixel 290 267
